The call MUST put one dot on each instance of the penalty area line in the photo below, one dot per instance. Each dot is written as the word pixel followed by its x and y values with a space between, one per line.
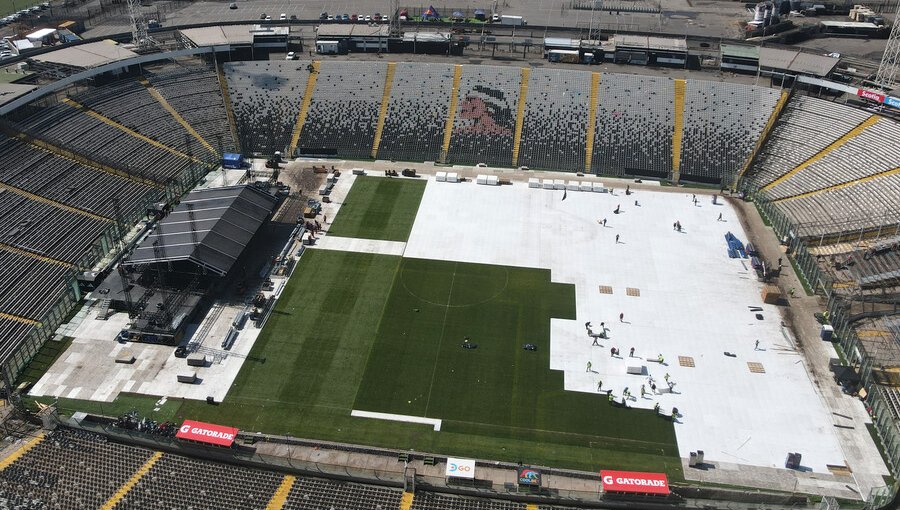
pixel 436 423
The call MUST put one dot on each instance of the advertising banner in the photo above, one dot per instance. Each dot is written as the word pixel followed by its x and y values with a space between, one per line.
pixel 209 433
pixel 868 94
pixel 529 476
pixel 460 468
pixel 635 482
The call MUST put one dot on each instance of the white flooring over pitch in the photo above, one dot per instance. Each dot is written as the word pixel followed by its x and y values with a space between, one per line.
pixel 694 302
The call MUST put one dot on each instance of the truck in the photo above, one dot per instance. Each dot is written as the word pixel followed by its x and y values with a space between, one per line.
pixel 514 21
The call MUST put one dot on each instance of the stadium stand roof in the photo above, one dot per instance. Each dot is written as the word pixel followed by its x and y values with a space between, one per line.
pixel 739 51
pixel 214 36
pixel 10 91
pixel 335 30
pixel 87 55
pixel 210 228
pixel 796 62
pixel 677 44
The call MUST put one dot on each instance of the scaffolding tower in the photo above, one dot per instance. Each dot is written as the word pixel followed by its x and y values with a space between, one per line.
pixel 886 75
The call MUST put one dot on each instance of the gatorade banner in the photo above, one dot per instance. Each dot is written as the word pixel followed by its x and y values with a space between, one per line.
pixel 634 482
pixel 218 435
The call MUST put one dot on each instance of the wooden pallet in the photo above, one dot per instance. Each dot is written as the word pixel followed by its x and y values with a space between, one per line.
pixel 686 361
pixel 605 289
pixel 633 292
pixel 756 368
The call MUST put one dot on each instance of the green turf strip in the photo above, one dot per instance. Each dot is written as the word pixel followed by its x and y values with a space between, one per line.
pixel 379 208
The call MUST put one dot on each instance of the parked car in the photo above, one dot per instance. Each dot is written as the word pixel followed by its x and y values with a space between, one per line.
pixel 291 56
pixel 283 16
pixel 232 5
pixel 324 15
pixel 368 18
pixel 263 16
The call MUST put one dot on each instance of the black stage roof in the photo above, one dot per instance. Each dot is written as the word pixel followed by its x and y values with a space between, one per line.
pixel 209 228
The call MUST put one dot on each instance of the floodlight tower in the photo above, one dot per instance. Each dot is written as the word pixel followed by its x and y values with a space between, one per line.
pixel 887 72
pixel 139 35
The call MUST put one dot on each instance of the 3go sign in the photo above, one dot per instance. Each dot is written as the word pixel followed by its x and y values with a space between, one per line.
pixel 460 468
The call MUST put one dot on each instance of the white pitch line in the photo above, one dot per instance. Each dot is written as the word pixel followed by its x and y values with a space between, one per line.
pixel 398 417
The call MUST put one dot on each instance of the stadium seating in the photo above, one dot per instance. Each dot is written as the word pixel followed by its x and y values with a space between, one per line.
pixel 864 206
pixel 193 90
pixel 69 127
pixel 417 112
pixel 129 103
pixel 344 109
pixel 806 126
pixel 485 121
pixel 556 121
pixel 318 494
pixel 174 480
pixel 722 123
pixel 635 122
pixel 70 183
pixel 69 469
pixel 266 98
pixel 46 230
pixel 433 501
pixel 853 160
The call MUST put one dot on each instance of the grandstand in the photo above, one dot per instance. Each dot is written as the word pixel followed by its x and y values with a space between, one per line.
pixel 344 109
pixel 266 97
pixel 825 174
pixel 635 126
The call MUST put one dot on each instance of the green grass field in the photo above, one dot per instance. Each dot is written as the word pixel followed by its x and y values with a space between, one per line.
pixel 379 208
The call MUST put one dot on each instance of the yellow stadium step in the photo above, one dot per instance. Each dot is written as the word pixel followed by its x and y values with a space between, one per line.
pixel 281 493
pixel 77 158
pixel 678 133
pixel 382 112
pixel 106 120
pixel 886 173
pixel 406 501
pixel 53 203
pixel 592 122
pixel 127 486
pixel 853 133
pixel 22 450
pixel 175 115
pixel 304 108
pixel 765 134
pixel 520 115
pixel 871 333
pixel 35 256
pixel 19 318
pixel 531 506
pixel 229 111
pixel 451 113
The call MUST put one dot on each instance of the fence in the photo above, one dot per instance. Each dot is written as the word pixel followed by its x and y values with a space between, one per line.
pixel 807 264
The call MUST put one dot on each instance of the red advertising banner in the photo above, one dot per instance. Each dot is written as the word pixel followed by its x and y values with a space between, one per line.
pixel 868 94
pixel 630 481
pixel 207 433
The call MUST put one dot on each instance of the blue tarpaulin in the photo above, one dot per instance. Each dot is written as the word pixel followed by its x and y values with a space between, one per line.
pixel 232 160
pixel 430 13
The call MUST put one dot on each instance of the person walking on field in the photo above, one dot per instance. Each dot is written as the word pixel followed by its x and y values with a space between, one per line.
pixel 599 385
pixel 588 367
pixel 622 317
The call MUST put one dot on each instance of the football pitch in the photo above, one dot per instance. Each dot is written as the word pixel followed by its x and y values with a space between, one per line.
pixel 381 333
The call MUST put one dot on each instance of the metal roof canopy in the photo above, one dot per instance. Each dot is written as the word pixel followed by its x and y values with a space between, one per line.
pixel 212 36
pixel 650 43
pixel 344 30
pixel 224 221
pixel 796 62
pixel 87 55
pixel 739 51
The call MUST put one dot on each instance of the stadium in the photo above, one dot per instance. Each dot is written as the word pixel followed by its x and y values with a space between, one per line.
pixel 241 272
